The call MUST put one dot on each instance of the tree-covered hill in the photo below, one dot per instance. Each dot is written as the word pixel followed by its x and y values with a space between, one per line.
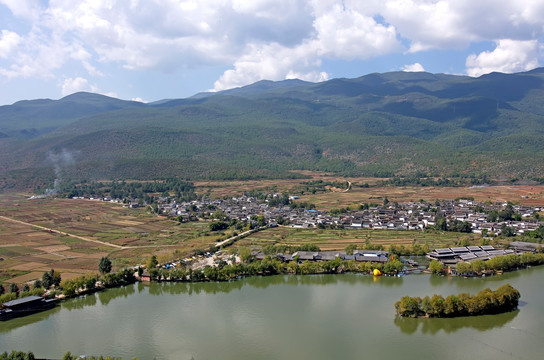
pixel 30 118
pixel 380 124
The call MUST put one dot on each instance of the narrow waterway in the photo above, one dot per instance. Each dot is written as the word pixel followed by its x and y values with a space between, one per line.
pixel 284 317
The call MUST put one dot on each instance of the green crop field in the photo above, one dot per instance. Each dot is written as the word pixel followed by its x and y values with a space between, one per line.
pixel 328 239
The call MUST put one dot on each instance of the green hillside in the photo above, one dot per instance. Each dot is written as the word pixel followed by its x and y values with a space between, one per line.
pixel 30 118
pixel 388 124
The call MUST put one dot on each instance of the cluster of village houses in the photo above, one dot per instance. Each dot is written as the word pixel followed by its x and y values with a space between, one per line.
pixel 405 216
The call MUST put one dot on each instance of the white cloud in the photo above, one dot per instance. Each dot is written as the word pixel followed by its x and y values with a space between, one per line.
pixel 28 9
pixel 442 24
pixel 71 86
pixel 509 56
pixel 425 24
pixel 416 67
pixel 8 42
pixel 273 62
pixel 258 39
pixel 348 34
pixel 338 32
pixel 36 56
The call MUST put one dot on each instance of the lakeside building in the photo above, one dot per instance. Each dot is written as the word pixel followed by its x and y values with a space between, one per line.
pixel 522 246
pixel 25 306
pixel 377 256
pixel 451 256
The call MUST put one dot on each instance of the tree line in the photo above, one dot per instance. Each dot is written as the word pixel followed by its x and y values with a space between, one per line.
pixel 17 355
pixel 21 355
pixel 424 180
pixel 88 283
pixel 50 279
pixel 147 191
pixel 504 299
pixel 269 266
pixel 83 284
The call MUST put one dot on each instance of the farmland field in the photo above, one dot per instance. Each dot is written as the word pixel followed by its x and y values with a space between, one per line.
pixel 339 239
pixel 128 236
pixel 532 195
pixel 72 235
pixel 358 192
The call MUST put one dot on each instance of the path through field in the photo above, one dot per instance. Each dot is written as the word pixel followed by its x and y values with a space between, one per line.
pixel 61 232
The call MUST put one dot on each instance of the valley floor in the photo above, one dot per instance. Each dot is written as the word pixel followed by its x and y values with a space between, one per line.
pixel 84 231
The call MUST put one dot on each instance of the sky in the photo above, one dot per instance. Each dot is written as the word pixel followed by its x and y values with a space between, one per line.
pixel 147 50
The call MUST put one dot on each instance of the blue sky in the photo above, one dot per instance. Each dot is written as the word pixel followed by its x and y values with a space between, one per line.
pixel 149 50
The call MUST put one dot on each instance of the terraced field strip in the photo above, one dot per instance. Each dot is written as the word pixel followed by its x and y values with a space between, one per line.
pixel 338 239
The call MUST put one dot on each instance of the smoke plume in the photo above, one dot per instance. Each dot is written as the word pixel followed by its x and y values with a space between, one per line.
pixel 60 161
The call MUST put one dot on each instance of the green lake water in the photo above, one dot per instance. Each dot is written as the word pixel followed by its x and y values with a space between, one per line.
pixel 346 316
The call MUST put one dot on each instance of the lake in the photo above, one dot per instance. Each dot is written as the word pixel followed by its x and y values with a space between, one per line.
pixel 346 316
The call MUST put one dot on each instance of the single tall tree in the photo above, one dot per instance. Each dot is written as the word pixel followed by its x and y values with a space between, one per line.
pixel 50 278
pixel 13 288
pixel 105 265
pixel 152 263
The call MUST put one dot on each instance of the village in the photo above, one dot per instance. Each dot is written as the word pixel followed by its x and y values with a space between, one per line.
pixel 273 210
pixel 393 216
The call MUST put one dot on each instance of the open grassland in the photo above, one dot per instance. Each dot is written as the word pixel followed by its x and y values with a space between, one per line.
pixel 339 239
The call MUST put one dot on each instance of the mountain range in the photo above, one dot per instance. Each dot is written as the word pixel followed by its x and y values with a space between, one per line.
pixel 397 123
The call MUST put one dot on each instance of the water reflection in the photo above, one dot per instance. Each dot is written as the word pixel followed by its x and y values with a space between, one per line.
pixel 80 302
pixel 106 296
pixel 297 317
pixel 471 284
pixel 260 282
pixel 451 325
pixel 506 275
pixel 437 280
pixel 12 324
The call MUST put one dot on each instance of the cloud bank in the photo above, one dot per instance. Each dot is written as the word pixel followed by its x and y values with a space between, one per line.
pixel 258 39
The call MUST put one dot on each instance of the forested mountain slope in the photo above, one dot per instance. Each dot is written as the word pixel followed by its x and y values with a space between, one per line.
pixel 395 123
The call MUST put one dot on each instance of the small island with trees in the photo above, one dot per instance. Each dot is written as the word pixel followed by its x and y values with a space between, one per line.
pixel 486 302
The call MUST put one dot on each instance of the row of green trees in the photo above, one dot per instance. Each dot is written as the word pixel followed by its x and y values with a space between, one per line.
pixel 181 190
pixel 504 299
pixel 69 356
pixel 508 262
pixel 272 266
pixel 49 280
pixel 422 179
pixel 52 279
pixel 87 283
pixel 17 355
pixel 416 249
pixel 288 249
